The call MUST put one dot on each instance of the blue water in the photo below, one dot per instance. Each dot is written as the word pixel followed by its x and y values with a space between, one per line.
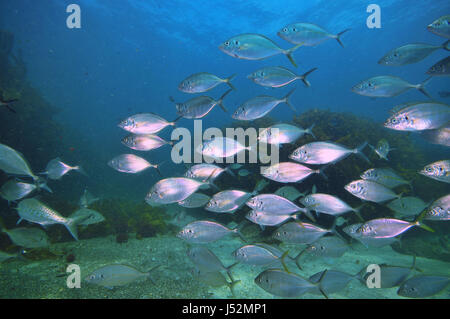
pixel 129 57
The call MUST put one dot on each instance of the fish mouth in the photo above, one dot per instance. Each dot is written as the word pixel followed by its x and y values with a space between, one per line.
pixel 429 27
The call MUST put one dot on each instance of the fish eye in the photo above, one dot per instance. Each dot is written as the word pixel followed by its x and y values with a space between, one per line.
pixel 236 42
pixel 285 30
pixel 294 29
pixel 429 169
pixel 92 277
pixel 227 43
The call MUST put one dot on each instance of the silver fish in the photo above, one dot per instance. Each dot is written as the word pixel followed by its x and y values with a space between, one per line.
pixel 259 106
pixel 268 219
pixel 440 68
pixel 221 147
pixel 273 204
pixel 56 169
pixel 439 171
pixel 14 190
pixel 277 76
pixel 87 199
pixel 299 233
pixel 205 260
pixel 439 209
pixel 285 284
pixel 195 200
pixel 423 286
pixel 12 162
pixel 439 136
pixel 331 246
pixel 333 281
pixel 288 172
pixel 117 275
pixel 384 176
pixel 407 206
pixel 200 106
pixel 213 279
pixel 327 204
pixel 382 149
pixel 386 227
pixel 440 26
pixel 27 237
pixel 227 201
pixel 308 34
pixel 387 86
pixel 130 163
pixel 283 133
pixel 289 192
pixel 418 116
pixel 34 211
pixel 259 255
pixel 410 53
pixel 144 142
pixel 172 190
pixel 250 46
pixel 370 191
pixel 205 172
pixel 144 123
pixel 205 231
pixel 352 231
pixel 88 216
pixel 202 82
pixel 325 153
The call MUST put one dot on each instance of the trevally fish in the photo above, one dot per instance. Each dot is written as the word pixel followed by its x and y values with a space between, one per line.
pixel 220 147
pixel 172 190
pixel 439 136
pixel 299 233
pixel 288 172
pixel 283 133
pixel 227 201
pixel 200 106
pixel 205 172
pixel 214 279
pixel 382 149
pixel 370 191
pixel 56 169
pixel 277 76
pixel 384 176
pixel 387 86
pixel 331 282
pixel 328 246
pixel 327 204
pixel 273 204
pixel 407 206
pixel 286 284
pixel 410 53
pixel 387 227
pixel 268 219
pixel 202 82
pixel 27 237
pixel 440 26
pixel 205 231
pixel 423 286
pixel 259 106
pixel 441 68
pixel 308 34
pixel 204 259
pixel 418 116
pixel 117 275
pixel 325 153
pixel 259 255
pixel 195 200
pixel 352 231
pixel 439 171
pixel 250 46
pixel 144 142
pixel 88 216
pixel 130 163
pixel 6 103
pixel 87 199
pixel 12 162
pixel 439 209
pixel 34 211
pixel 390 276
pixel 14 190
pixel 144 123
pixel 289 192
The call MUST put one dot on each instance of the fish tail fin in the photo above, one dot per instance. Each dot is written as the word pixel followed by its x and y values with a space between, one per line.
pixel 287 100
pixel 42 184
pixel 71 225
pixel 231 286
pixel 309 215
pixel 238 232
pixel 283 262
pixel 446 46
pixel 220 101
pixel 228 270
pixel 9 108
pixel 173 123
pixel 297 259
pixel 338 37
pixel 310 132
pixel 230 171
pixel 289 52
pixel 319 283
pixel 80 170
pixel 359 151
pixel 418 222
pixel 321 173
pixel 357 211
pixel 260 185
pixel 149 273
pixel 228 81
pixel 303 77
pixel 421 87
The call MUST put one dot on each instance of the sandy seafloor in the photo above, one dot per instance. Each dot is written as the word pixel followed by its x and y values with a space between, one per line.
pixel 173 279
